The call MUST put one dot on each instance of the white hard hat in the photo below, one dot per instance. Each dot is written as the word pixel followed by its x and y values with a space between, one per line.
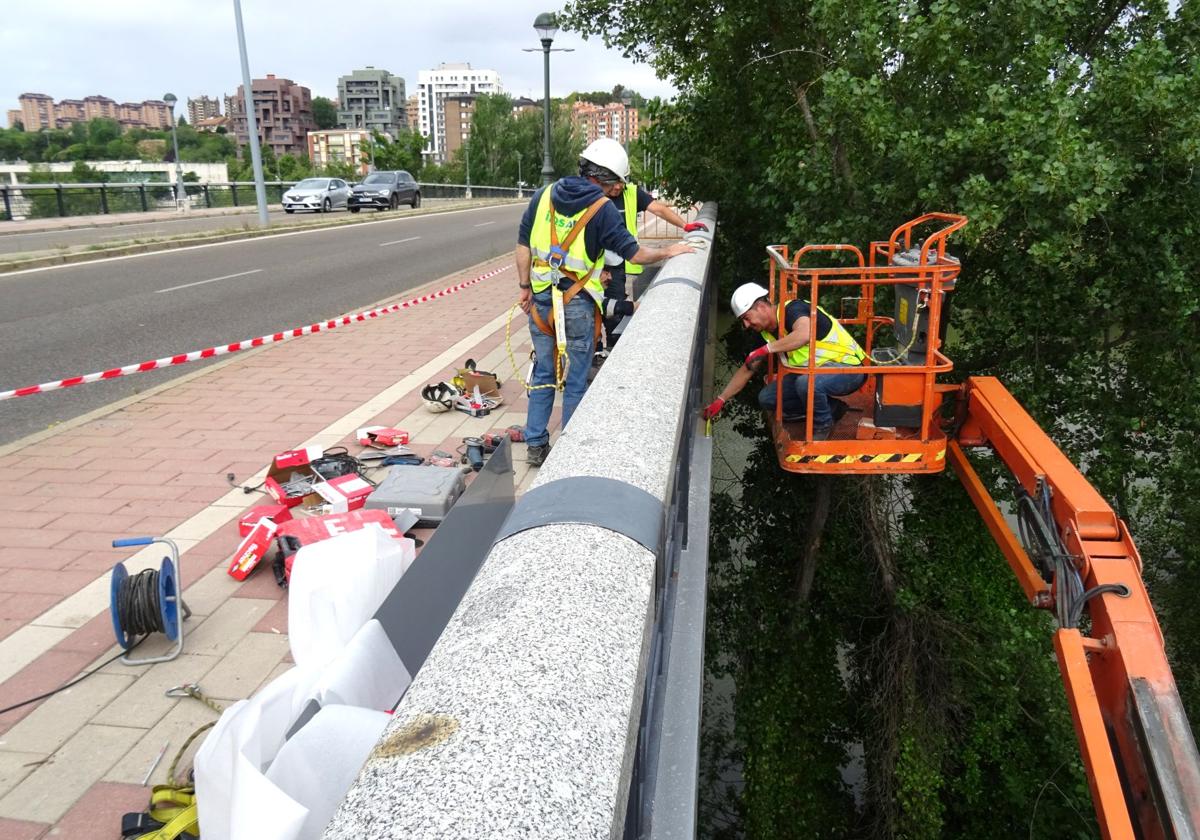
pixel 744 297
pixel 610 154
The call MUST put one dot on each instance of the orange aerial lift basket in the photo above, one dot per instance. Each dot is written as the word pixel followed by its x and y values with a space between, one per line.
pixel 1073 555
pixel 892 422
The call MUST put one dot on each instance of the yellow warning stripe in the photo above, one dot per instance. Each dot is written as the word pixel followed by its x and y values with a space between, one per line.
pixel 864 458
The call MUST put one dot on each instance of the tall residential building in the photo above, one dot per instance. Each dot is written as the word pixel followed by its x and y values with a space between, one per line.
pixel 433 86
pixel 203 108
pixel 95 107
pixel 373 100
pixel 37 111
pixel 613 120
pixel 343 145
pixel 458 110
pixel 283 110
pixel 413 112
pixel 228 102
pixel 69 111
pixel 14 117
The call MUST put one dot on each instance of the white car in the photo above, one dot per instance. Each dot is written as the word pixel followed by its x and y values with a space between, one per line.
pixel 317 194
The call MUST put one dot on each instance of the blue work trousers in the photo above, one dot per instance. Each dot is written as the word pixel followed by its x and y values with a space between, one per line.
pixel 795 393
pixel 581 344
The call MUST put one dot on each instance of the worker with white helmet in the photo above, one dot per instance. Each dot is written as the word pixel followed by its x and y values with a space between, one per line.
pixel 630 200
pixel 835 347
pixel 559 256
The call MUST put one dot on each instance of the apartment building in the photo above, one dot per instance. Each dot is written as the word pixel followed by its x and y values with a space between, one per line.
pixel 283 110
pixel 433 86
pixel 203 108
pixel 413 113
pixel 614 120
pixel 373 100
pixel 458 112
pixel 341 145
pixel 39 111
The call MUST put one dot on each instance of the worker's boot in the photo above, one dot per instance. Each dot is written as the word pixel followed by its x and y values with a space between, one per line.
pixel 535 456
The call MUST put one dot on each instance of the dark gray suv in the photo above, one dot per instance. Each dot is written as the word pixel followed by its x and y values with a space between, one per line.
pixel 385 191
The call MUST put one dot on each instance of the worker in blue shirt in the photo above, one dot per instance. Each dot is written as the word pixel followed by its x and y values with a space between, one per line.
pixel 561 241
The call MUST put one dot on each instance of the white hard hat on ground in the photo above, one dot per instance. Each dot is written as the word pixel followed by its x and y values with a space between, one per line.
pixel 610 154
pixel 744 297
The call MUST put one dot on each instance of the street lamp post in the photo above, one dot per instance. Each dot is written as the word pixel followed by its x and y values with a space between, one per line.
pixel 519 181
pixel 467 149
pixel 260 187
pixel 546 26
pixel 180 192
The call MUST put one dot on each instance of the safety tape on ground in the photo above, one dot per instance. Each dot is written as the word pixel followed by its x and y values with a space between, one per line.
pixel 881 458
pixel 261 341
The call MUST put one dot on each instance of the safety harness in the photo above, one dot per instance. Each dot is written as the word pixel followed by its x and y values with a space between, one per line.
pixel 556 326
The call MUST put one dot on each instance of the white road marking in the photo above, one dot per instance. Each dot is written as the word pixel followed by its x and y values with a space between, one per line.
pixel 213 280
pixel 399 241
pixel 484 224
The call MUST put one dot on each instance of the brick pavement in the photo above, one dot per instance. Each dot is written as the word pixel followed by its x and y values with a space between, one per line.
pixel 157 464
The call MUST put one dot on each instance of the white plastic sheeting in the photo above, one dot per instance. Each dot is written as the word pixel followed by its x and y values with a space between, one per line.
pixel 336 586
pixel 252 782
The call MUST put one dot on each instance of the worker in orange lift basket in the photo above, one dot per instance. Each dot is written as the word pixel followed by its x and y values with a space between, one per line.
pixel 835 348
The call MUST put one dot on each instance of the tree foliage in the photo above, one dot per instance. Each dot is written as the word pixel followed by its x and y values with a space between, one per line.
pixel 324 112
pixel 499 138
pixel 1069 133
pixel 402 153
pixel 103 139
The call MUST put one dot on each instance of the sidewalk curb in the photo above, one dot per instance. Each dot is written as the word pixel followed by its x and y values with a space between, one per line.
pixel 74 422
pixel 10 266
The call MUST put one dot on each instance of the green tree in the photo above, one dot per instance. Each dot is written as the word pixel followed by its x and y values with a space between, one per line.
pixel 402 153
pixel 1068 134
pixel 324 112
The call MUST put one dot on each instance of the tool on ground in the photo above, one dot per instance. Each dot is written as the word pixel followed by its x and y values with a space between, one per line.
pixel 154 763
pixel 173 813
pixel 148 602
pixel 474 452
pixel 441 458
pixel 1070 551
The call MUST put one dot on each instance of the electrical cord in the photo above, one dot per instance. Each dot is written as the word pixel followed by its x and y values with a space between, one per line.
pixel 138 610
pixel 75 681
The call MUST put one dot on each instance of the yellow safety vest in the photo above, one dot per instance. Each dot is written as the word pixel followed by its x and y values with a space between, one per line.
pixel 576 259
pixel 838 346
pixel 631 224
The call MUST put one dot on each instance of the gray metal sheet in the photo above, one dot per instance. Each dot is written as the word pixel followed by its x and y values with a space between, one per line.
pixel 590 500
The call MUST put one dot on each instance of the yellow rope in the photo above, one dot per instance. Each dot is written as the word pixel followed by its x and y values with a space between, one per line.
pixel 561 360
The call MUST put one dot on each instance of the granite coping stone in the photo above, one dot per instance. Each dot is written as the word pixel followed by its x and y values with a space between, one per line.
pixel 524 719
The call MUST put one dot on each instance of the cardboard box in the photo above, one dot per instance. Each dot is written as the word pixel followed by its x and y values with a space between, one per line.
pixel 251 551
pixel 277 513
pixel 345 493
pixel 301 532
pixel 381 437
pixel 294 463
pixel 486 382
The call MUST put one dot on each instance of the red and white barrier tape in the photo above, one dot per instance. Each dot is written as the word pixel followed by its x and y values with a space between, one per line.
pixel 212 352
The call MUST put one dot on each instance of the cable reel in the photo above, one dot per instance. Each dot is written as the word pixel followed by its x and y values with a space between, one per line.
pixel 148 602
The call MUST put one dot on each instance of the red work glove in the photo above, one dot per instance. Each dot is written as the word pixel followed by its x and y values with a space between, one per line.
pixel 760 353
pixel 714 408
pixel 691 226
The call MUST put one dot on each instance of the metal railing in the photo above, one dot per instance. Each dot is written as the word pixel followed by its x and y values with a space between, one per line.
pixel 53 200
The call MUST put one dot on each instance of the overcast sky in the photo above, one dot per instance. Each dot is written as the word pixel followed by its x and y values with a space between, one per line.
pixel 132 50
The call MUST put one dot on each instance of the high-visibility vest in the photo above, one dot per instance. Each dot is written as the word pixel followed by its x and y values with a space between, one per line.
pixel 837 346
pixel 631 223
pixel 576 259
